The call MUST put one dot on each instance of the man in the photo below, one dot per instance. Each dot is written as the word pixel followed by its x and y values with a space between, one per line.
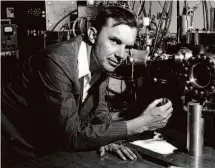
pixel 56 102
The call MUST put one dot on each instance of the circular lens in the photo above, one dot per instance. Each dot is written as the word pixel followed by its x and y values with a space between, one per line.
pixel 200 75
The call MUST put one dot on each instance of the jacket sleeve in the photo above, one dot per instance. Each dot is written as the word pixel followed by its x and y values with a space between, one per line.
pixel 61 114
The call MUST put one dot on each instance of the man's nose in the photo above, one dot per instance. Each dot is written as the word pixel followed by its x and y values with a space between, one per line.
pixel 120 54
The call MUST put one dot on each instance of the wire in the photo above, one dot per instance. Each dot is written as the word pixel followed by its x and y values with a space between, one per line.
pixel 133 5
pixel 139 9
pixel 210 4
pixel 142 4
pixel 73 26
pixel 159 26
pixel 167 22
pixel 129 6
pixel 185 4
pixel 74 23
pixel 63 19
pixel 160 4
pixel 206 11
pixel 169 18
pixel 203 13
pixel 178 21
pixel 132 64
pixel 144 10
pixel 150 9
pixel 197 5
pixel 81 25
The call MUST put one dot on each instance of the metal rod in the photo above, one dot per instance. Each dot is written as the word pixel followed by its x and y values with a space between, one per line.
pixel 195 129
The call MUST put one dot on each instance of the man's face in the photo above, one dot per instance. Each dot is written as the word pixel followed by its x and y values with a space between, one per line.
pixel 112 44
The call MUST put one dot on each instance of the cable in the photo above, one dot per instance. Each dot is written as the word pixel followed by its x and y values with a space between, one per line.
pixel 206 11
pixel 197 5
pixel 160 4
pixel 159 26
pixel 133 85
pixel 210 4
pixel 63 19
pixel 133 5
pixel 142 4
pixel 169 17
pixel 167 22
pixel 178 21
pixel 185 4
pixel 129 6
pixel 150 9
pixel 144 10
pixel 81 25
pixel 203 13
pixel 74 23
pixel 73 26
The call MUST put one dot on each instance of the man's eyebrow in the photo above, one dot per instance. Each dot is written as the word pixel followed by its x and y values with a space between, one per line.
pixel 116 39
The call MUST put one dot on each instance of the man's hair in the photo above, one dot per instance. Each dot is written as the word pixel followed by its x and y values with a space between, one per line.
pixel 120 15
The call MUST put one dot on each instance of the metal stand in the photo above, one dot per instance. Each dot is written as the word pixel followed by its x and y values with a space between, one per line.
pixel 195 129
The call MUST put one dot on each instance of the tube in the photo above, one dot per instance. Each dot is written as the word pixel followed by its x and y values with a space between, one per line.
pixel 195 129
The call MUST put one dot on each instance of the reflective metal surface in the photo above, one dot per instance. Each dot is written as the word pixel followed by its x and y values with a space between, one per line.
pixel 195 130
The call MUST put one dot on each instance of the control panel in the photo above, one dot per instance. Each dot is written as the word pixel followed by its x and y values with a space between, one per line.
pixel 9 44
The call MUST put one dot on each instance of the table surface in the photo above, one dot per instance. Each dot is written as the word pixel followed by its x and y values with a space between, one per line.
pixel 146 159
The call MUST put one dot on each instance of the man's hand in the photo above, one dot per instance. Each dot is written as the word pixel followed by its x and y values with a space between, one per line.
pixel 120 150
pixel 155 116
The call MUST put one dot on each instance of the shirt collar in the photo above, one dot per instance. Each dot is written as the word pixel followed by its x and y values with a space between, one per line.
pixel 83 63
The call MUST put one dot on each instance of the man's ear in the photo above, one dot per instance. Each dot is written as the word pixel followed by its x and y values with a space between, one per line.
pixel 92 34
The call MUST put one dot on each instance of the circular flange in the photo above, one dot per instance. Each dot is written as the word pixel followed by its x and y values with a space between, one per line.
pixel 198 76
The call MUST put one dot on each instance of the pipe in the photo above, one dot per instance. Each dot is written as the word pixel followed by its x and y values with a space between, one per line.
pixel 195 129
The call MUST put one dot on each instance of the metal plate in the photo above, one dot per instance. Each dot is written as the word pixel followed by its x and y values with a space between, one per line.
pixel 56 10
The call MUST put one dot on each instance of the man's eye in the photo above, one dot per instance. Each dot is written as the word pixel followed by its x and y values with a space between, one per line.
pixel 114 42
pixel 128 49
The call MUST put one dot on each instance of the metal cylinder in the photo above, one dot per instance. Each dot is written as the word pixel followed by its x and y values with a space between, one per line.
pixel 212 19
pixel 196 38
pixel 195 129
pixel 189 37
pixel 186 23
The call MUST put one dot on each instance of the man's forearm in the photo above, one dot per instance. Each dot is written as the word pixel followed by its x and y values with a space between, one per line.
pixel 136 125
pixel 94 136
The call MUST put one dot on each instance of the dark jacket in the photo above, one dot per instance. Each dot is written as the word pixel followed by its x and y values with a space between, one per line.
pixel 42 109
